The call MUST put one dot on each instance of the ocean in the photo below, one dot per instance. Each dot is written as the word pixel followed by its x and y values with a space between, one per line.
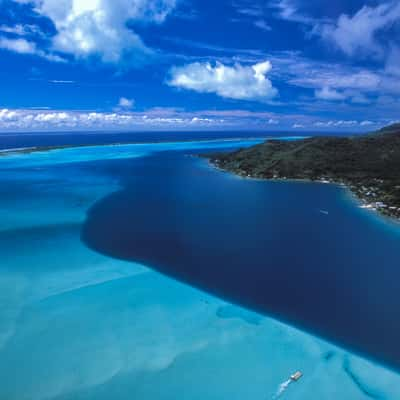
pixel 140 271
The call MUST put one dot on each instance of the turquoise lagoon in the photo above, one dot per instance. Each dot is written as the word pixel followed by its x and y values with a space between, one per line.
pixel 77 324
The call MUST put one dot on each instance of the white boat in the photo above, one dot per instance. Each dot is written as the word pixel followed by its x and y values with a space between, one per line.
pixel 296 376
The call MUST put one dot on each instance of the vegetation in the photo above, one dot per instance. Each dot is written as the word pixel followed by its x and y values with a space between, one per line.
pixel 369 164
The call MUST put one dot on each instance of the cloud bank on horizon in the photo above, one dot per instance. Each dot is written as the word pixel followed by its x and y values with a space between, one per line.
pixel 198 64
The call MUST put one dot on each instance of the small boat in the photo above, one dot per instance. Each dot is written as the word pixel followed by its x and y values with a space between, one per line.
pixel 296 376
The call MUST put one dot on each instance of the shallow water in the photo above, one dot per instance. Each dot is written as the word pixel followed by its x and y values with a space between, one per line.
pixel 77 324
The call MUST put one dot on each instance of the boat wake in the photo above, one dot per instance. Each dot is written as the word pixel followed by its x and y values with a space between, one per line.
pixel 282 388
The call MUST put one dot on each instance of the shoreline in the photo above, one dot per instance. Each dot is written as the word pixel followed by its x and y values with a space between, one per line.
pixel 368 165
pixel 368 197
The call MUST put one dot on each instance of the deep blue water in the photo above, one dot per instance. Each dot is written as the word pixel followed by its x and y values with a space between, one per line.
pixel 264 245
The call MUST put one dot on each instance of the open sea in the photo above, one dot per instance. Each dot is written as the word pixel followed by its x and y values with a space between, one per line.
pixel 138 271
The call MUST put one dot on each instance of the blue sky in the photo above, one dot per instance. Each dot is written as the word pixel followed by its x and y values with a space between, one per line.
pixel 199 64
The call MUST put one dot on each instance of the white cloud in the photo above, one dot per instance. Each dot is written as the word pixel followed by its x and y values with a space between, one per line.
pixel 126 103
pixel 393 61
pixel 235 82
pixel 326 93
pixel 346 123
pixel 99 27
pixel 282 9
pixel 197 119
pixel 360 98
pixel 18 45
pixel 360 86
pixel 164 119
pixel 21 29
pixel 338 79
pixel 288 11
pixel 248 8
pixel 336 124
pixel 358 33
pixel 23 46
pixel 30 119
pixel 61 81
pixel 261 24
pixel 367 123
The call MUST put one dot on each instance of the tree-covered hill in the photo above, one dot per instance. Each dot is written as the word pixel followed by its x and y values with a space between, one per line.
pixel 369 164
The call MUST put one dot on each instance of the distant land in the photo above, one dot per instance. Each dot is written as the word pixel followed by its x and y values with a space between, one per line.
pixel 38 149
pixel 368 164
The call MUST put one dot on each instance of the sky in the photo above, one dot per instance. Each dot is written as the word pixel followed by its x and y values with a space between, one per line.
pixel 294 65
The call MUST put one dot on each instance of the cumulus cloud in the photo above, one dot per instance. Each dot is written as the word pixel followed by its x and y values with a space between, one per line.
pixel 234 82
pixel 153 118
pixel 358 33
pixel 99 27
pixel 31 119
pixel 163 119
pixel 326 93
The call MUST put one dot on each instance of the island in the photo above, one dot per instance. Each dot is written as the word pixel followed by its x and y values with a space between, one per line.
pixel 369 164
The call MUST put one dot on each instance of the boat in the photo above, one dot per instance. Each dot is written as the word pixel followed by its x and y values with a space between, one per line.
pixel 296 376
